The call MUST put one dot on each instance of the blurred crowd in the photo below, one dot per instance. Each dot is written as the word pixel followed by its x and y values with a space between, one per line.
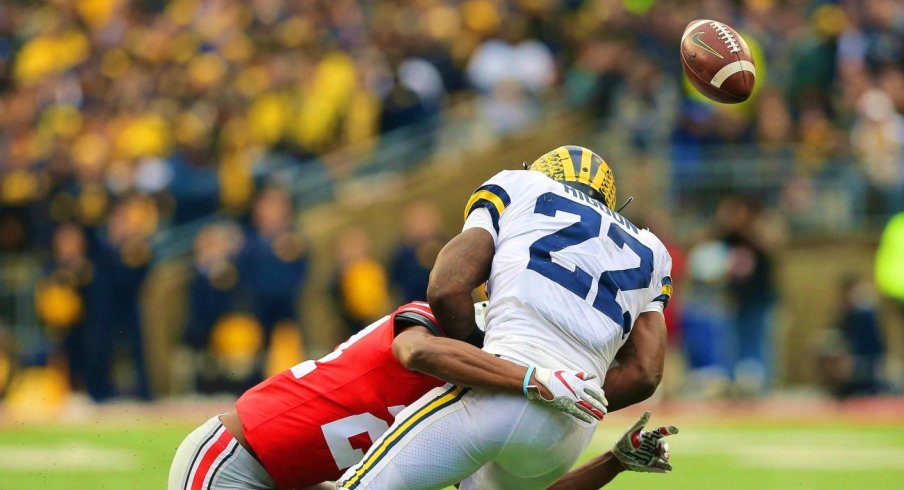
pixel 125 118
pixel 821 137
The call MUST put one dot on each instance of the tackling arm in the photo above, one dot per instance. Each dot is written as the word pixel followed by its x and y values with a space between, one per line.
pixel 461 266
pixel 640 363
pixel 455 361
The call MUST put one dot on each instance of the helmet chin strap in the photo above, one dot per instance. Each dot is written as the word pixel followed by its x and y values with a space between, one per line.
pixel 628 201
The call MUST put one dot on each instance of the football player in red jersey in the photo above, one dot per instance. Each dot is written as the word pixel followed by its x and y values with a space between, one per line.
pixel 307 424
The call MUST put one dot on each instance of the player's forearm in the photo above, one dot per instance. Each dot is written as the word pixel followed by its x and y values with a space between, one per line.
pixel 640 363
pixel 466 365
pixel 626 385
pixel 596 473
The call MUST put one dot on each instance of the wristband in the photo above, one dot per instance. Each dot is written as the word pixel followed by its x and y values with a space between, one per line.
pixel 527 375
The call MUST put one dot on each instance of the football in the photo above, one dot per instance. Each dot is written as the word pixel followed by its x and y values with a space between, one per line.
pixel 717 61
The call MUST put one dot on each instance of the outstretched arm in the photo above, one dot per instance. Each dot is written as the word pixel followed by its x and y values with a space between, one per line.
pixel 637 450
pixel 640 363
pixel 461 266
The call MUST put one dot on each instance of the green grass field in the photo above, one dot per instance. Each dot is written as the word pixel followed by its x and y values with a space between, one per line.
pixel 736 453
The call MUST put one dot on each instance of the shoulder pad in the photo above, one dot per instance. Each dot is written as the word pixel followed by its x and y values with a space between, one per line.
pixel 419 314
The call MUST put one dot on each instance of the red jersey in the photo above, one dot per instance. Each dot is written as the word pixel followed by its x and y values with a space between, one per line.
pixel 311 422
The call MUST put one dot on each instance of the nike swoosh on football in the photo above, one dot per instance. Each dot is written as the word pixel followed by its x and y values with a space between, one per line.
pixel 695 38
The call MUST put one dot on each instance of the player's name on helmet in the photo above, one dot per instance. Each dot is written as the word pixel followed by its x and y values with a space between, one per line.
pixel 602 207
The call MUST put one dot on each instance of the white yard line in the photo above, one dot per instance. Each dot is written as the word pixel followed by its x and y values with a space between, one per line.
pixel 65 457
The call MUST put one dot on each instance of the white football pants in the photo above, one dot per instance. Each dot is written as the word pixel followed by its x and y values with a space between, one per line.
pixel 452 433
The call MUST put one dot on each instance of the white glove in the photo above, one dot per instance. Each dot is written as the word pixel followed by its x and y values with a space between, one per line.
pixel 640 450
pixel 572 392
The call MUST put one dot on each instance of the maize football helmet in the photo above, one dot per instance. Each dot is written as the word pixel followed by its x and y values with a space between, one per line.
pixel 580 168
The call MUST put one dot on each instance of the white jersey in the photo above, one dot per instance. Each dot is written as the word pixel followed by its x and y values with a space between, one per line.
pixel 569 275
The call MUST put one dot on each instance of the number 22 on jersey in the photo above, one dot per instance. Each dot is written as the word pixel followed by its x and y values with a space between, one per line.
pixel 579 281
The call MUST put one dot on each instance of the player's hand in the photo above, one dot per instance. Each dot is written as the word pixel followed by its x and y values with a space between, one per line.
pixel 568 391
pixel 640 450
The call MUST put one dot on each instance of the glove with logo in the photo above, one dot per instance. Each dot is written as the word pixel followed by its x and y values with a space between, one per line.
pixel 572 392
pixel 640 450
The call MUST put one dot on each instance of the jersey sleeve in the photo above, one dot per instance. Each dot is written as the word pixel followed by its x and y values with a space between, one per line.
pixel 662 282
pixel 481 218
pixel 487 203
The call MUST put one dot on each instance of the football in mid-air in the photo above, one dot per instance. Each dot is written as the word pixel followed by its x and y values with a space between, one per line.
pixel 717 61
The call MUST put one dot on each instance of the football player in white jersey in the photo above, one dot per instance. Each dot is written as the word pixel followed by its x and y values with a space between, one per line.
pixel 571 283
